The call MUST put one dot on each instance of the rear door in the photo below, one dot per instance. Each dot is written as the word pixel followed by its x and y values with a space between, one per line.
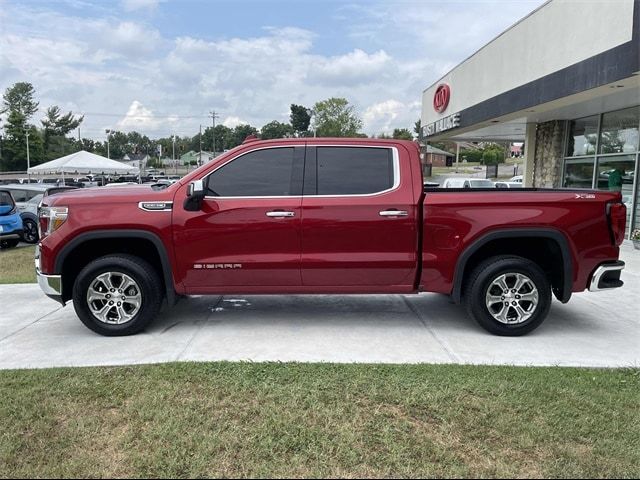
pixel 359 219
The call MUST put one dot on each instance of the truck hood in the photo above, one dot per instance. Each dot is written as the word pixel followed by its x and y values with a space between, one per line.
pixel 123 194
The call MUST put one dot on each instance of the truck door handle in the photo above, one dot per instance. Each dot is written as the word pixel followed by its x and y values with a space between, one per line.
pixel 280 213
pixel 394 213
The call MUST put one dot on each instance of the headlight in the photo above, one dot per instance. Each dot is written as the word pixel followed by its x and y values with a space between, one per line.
pixel 50 219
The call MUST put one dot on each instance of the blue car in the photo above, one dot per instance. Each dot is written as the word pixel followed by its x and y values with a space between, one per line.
pixel 10 221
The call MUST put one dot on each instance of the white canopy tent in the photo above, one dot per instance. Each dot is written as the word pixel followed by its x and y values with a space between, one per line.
pixel 83 162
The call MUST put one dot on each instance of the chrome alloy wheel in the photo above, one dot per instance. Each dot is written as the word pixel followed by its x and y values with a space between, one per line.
pixel 512 298
pixel 114 298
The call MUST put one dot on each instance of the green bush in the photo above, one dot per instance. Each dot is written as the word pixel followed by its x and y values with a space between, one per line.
pixel 489 157
pixel 471 155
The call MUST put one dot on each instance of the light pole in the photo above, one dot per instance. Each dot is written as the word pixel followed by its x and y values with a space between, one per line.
pixel 28 160
pixel 173 155
pixel 108 132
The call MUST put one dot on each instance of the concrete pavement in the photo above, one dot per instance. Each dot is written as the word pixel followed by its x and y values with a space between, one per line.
pixel 593 329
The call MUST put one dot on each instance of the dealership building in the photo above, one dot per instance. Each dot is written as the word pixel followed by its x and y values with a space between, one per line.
pixel 565 80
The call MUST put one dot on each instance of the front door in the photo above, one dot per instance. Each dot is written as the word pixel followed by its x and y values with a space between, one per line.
pixel 247 233
pixel 359 220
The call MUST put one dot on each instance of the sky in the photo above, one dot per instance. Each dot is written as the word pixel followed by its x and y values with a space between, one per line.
pixel 160 66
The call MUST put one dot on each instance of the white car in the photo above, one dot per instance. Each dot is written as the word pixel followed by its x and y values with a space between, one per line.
pixel 456 182
pixel 516 179
pixel 508 184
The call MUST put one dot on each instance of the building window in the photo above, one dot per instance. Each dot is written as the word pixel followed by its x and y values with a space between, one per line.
pixel 619 132
pixel 578 173
pixel 583 135
pixel 602 153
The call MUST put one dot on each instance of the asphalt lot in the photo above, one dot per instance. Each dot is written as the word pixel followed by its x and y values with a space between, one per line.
pixel 593 329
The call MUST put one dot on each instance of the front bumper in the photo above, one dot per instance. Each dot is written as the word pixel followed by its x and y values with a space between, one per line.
pixel 606 276
pixel 51 285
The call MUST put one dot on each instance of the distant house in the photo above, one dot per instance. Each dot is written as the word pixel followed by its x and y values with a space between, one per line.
pixel 137 160
pixel 192 156
pixel 437 158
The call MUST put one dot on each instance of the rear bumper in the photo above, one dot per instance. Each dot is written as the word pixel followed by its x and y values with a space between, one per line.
pixel 11 235
pixel 606 276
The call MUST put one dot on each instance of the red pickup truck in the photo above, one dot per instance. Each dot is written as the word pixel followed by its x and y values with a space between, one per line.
pixel 330 215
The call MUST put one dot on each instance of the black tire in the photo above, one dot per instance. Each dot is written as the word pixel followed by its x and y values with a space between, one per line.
pixel 9 243
pixel 30 231
pixel 145 277
pixel 481 280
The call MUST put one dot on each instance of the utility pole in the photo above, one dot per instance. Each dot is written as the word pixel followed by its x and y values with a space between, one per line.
pixel 108 132
pixel 213 116
pixel 200 162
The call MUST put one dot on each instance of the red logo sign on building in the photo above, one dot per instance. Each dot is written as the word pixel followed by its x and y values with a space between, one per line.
pixel 441 98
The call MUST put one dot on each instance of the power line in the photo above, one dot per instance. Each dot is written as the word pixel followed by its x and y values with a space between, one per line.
pixel 104 114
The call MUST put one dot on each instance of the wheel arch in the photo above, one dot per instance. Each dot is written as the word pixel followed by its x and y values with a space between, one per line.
pixel 134 242
pixel 499 241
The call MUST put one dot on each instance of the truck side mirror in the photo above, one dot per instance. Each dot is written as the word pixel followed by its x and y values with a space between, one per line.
pixel 195 195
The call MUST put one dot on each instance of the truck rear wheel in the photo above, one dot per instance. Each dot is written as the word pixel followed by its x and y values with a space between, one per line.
pixel 508 295
pixel 117 295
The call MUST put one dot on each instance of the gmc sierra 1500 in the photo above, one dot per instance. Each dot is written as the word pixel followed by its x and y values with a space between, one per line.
pixel 325 215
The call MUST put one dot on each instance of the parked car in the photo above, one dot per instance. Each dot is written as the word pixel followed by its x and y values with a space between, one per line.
pixel 10 221
pixel 86 182
pixel 507 184
pixel 517 179
pixel 330 216
pixel 27 198
pixel 456 182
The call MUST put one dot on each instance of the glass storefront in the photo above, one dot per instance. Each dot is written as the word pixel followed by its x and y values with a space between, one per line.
pixel 602 152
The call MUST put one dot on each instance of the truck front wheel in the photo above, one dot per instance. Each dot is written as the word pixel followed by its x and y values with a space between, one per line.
pixel 117 295
pixel 508 295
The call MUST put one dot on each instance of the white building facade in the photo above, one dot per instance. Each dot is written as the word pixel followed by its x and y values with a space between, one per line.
pixel 565 80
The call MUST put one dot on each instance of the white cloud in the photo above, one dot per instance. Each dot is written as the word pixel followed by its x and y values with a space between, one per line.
pixel 142 119
pixel 232 122
pixel 354 66
pixel 384 116
pixel 131 5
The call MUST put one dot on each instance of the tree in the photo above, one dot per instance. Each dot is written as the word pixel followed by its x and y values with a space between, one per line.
pixel 417 127
pixel 334 117
pixel 300 120
pixel 56 127
pixel 241 132
pixel 275 129
pixel 55 124
pixel 19 98
pixel 14 144
pixel 402 134
pixel 224 139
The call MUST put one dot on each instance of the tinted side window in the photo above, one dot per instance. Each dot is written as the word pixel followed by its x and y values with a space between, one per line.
pixel 20 195
pixel 354 170
pixel 5 199
pixel 261 173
